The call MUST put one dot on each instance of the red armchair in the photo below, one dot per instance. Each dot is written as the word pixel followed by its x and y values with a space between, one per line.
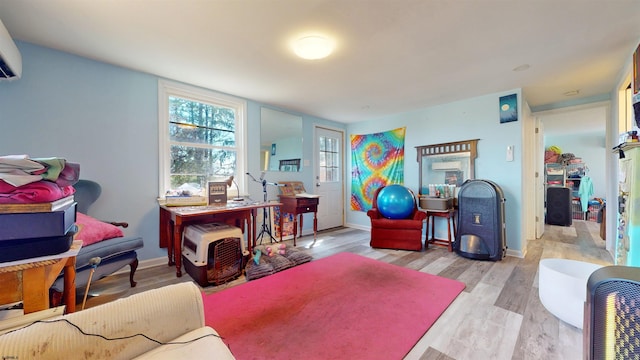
pixel 404 234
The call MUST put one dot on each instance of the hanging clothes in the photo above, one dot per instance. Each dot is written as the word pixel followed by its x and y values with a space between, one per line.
pixel 586 192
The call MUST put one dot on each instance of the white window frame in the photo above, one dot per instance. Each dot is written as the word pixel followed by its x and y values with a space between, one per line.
pixel 168 88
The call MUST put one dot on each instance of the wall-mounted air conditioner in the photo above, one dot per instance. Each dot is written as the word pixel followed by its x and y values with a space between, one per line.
pixel 10 59
pixel 446 165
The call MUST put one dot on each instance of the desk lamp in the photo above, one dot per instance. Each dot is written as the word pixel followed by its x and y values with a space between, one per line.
pixel 231 181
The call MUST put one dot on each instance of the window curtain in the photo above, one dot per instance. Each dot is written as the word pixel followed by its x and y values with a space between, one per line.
pixel 376 160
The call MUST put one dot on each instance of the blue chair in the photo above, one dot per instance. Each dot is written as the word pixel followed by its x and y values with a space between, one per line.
pixel 114 253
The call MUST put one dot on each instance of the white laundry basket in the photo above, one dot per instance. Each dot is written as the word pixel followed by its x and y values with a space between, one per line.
pixel 562 286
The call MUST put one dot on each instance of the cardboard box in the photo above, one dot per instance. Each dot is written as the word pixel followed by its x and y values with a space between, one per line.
pixel 37 225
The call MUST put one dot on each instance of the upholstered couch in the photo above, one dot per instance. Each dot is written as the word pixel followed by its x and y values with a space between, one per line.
pixel 173 313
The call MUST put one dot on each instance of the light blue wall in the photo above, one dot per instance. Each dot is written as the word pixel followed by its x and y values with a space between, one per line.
pixel 106 118
pixel 475 118
pixel 591 148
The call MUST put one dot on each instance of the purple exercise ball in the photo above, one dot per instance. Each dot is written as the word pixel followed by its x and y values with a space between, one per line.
pixel 395 202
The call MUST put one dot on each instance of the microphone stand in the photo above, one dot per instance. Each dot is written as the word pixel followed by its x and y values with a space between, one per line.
pixel 265 229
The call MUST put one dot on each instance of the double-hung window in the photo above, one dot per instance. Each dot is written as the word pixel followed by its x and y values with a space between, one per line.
pixel 202 138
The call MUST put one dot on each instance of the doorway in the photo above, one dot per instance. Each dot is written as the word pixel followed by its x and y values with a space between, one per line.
pixel 329 176
pixel 579 131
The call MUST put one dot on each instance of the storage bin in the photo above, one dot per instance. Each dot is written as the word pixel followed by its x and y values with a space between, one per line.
pixel 20 249
pixel 434 203
pixel 593 210
pixel 37 225
pixel 576 210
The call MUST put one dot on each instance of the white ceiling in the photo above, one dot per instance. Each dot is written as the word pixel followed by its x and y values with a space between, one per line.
pixel 392 56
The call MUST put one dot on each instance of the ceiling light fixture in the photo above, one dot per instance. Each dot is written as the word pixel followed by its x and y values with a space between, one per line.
pixel 313 47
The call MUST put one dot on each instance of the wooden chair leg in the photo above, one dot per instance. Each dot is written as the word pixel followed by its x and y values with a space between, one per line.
pixel 449 236
pixel 55 298
pixel 134 267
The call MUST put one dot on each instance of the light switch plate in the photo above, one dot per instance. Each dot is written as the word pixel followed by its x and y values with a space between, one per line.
pixel 510 153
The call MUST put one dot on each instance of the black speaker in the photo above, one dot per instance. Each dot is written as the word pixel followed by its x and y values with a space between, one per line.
pixel 559 206
pixel 612 314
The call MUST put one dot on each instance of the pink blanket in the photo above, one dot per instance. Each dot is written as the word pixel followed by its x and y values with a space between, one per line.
pixel 36 192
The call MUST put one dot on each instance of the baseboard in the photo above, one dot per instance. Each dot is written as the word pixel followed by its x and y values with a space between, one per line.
pixel 163 260
pixel 515 253
pixel 359 227
pixel 510 252
pixel 145 264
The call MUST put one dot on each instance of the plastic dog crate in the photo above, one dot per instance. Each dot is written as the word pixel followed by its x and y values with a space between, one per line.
pixel 213 253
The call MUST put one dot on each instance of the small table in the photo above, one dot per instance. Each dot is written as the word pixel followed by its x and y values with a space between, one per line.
pixel 174 219
pixel 298 205
pixel 29 280
pixel 451 220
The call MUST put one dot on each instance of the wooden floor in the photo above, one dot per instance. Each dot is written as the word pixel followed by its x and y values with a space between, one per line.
pixel 497 316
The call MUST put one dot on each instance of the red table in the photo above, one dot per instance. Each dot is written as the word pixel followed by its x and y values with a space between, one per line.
pixel 174 219
pixel 297 205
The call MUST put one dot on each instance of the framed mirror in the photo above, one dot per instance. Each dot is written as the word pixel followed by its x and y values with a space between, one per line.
pixel 280 141
pixel 444 167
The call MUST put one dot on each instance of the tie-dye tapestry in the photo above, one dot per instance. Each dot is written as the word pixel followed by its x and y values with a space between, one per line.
pixel 376 160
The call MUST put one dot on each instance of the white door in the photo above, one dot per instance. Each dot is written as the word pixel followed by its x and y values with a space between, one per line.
pixel 540 186
pixel 328 149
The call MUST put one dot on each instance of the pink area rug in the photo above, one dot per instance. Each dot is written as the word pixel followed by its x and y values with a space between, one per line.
pixel 345 306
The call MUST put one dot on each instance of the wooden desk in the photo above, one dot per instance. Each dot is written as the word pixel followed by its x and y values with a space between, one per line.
pixel 29 280
pixel 174 219
pixel 296 206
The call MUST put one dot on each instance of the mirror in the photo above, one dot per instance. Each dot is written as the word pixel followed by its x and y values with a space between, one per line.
pixel 280 141
pixel 444 167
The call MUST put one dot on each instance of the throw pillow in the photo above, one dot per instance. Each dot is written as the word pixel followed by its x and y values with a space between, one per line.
pixel 279 262
pixel 255 271
pixel 297 256
pixel 91 230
